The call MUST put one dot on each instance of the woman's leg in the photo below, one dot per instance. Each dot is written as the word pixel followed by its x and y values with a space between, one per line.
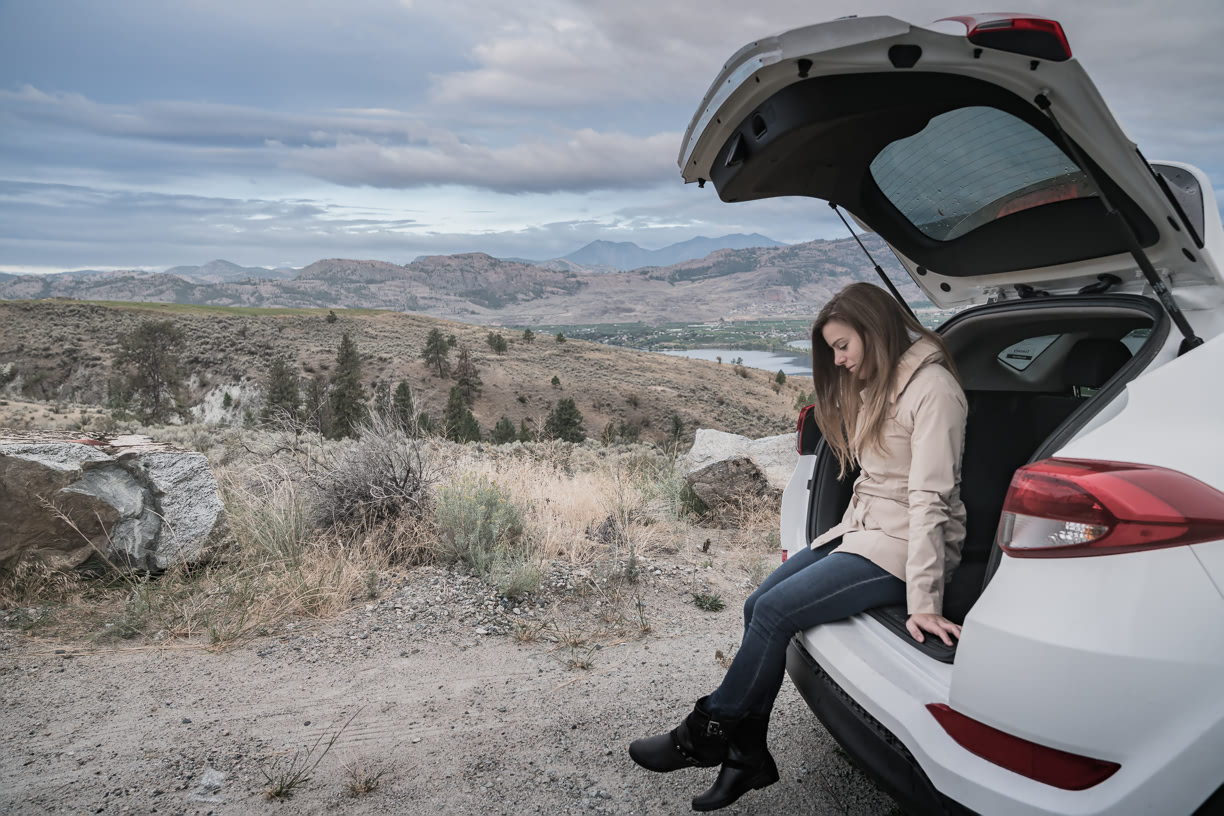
pixel 828 589
pixel 799 561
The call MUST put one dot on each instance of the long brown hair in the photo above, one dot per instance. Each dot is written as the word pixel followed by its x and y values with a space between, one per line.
pixel 887 331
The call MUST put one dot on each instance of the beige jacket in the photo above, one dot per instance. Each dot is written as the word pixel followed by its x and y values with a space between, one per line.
pixel 906 514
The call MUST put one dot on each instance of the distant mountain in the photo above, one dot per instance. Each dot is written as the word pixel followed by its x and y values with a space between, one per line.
pixel 220 271
pixel 780 281
pixel 625 255
pixel 6 277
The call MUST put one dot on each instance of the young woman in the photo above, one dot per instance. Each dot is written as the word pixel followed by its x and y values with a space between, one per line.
pixel 889 400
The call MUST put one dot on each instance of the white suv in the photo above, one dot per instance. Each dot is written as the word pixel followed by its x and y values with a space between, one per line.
pixel 1090 677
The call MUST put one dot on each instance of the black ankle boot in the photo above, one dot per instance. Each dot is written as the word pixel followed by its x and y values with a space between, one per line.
pixel 748 765
pixel 698 742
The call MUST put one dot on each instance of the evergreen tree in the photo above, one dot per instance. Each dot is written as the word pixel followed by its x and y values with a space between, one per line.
pixel 556 381
pixel 149 358
pixel 347 398
pixel 560 337
pixel 503 432
pixel 565 422
pixel 425 424
pixel 402 405
pixel 525 434
pixel 780 377
pixel 497 343
pixel 331 316
pixel 458 422
pixel 528 336
pixel 677 429
pixel 435 353
pixel 284 392
pixel 380 397
pixel 451 340
pixel 317 411
pixel 467 376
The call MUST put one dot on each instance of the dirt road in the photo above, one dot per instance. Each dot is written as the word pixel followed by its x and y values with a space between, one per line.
pixel 457 718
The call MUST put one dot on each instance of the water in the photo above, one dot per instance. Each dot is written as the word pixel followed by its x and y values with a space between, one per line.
pixel 764 360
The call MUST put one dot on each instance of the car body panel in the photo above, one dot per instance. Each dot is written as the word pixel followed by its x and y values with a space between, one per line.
pixel 860 46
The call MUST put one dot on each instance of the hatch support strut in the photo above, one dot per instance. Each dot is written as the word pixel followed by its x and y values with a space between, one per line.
pixel 879 271
pixel 1190 339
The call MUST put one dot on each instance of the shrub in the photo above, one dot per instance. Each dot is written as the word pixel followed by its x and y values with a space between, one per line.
pixel 741 371
pixel 383 475
pixel 497 343
pixel 780 377
pixel 331 316
pixel 633 399
pixel 556 382
pixel 480 525
pixel 560 337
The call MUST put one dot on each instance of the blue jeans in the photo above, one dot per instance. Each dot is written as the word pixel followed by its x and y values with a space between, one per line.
pixel 809 588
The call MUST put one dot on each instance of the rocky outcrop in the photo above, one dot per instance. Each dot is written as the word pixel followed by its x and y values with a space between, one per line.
pixel 126 502
pixel 724 468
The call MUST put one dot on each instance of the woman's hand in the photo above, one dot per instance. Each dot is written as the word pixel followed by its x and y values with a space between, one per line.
pixel 935 624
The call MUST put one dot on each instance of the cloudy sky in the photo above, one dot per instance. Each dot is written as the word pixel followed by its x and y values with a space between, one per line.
pixel 142 133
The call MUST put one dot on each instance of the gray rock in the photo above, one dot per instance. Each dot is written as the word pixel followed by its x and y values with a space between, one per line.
pixel 727 481
pixel 209 788
pixel 135 505
pixel 774 456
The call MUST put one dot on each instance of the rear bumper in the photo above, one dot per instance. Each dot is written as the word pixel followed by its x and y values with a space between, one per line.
pixel 876 749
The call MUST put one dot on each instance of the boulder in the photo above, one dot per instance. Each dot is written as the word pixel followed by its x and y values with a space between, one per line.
pixel 126 502
pixel 723 468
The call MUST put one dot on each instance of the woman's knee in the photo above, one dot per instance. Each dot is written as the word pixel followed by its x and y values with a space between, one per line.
pixel 749 604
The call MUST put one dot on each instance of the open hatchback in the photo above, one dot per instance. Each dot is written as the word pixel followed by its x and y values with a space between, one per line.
pixel 1088 679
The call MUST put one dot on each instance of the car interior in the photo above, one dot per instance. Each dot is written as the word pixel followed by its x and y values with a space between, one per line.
pixel 1018 409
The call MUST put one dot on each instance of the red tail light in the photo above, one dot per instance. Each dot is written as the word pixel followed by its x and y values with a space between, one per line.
pixel 1030 36
pixel 1075 507
pixel 807 433
pixel 1047 765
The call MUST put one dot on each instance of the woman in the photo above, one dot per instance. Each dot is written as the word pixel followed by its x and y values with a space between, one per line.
pixel 887 398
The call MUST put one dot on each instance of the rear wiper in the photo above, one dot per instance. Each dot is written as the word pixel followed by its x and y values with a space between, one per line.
pixel 1191 340
pixel 878 270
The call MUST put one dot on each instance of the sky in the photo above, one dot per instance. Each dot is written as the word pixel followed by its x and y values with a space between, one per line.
pixel 147 134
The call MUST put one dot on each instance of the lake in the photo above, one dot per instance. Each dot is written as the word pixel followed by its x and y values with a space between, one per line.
pixel 770 361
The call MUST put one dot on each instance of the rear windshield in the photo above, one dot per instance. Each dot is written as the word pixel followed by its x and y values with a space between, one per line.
pixel 971 166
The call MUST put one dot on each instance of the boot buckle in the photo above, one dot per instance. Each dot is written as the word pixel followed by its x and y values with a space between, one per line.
pixel 714 729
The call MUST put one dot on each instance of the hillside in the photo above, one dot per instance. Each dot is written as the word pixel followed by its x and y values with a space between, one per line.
pixel 784 281
pixel 61 351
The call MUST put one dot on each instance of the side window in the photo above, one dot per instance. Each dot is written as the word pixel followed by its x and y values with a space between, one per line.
pixel 1021 355
pixel 1136 339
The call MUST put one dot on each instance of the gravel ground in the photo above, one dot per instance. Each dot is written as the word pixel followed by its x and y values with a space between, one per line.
pixel 456 700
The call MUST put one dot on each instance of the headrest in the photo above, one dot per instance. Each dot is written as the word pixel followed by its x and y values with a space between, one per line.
pixel 1093 361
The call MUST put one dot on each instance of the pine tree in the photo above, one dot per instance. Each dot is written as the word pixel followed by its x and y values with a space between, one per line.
pixel 331 316
pixel 560 337
pixel 284 392
pixel 556 381
pixel 435 353
pixel 677 429
pixel 149 356
pixel 503 432
pixel 528 336
pixel 525 434
pixel 402 405
pixel 565 422
pixel 317 411
pixel 780 377
pixel 467 376
pixel 458 422
pixel 347 399
pixel 497 343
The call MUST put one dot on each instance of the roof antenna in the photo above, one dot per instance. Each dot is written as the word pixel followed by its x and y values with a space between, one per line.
pixel 879 271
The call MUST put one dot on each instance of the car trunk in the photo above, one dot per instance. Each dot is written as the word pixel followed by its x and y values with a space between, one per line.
pixel 1011 422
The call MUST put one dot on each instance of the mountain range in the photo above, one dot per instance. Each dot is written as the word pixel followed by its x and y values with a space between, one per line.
pixel 785 280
